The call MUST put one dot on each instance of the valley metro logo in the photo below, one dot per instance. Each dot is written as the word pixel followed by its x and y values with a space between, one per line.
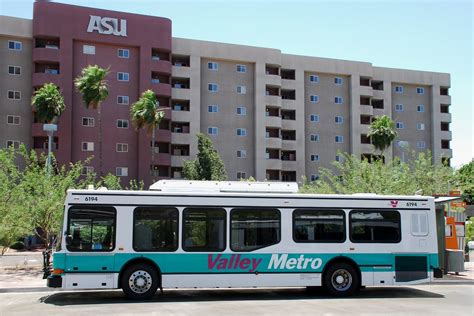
pixel 108 26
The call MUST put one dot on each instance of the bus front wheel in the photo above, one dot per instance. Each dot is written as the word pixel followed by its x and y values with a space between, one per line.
pixel 140 281
pixel 341 279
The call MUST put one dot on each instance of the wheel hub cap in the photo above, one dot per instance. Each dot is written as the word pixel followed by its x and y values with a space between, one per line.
pixel 341 280
pixel 140 281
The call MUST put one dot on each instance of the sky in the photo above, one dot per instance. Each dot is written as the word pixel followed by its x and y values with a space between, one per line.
pixel 423 35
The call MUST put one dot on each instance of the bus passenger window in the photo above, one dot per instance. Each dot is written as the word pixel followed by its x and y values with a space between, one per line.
pixel 319 225
pixel 204 229
pixel 155 229
pixel 254 228
pixel 375 226
pixel 91 229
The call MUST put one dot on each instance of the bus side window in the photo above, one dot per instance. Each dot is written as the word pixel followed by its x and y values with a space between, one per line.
pixel 419 224
pixel 204 229
pixel 92 228
pixel 375 226
pixel 253 229
pixel 155 229
pixel 313 225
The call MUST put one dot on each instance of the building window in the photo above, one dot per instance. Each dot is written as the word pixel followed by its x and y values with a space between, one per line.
pixel 15 45
pixel 314 118
pixel 420 90
pixel 338 100
pixel 254 228
pixel 155 229
pixel 339 119
pixel 123 53
pixel 13 143
pixel 88 50
pixel 88 121
pixel 339 158
pixel 212 130
pixel 14 95
pixel 241 90
pixel 121 171
pixel 420 108
pixel 399 89
pixel 204 229
pixel 314 137
pixel 213 87
pixel 338 80
pixel 420 144
pixel 212 66
pixel 122 123
pixel 314 157
pixel 13 120
pixel 314 177
pixel 319 225
pixel 314 98
pixel 399 107
pixel 123 99
pixel 242 110
pixel 241 132
pixel 241 175
pixel 14 70
pixel 123 76
pixel 420 126
pixel 314 78
pixel 400 125
pixel 87 170
pixel 241 68
pixel 339 139
pixel 212 108
pixel 375 226
pixel 87 146
pixel 241 153
pixel 121 148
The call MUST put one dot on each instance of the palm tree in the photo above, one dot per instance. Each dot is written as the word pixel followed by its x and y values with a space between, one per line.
pixel 382 133
pixel 48 102
pixel 93 87
pixel 145 113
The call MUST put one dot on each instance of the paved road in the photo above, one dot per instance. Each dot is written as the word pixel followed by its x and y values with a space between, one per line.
pixel 416 300
pixel 22 260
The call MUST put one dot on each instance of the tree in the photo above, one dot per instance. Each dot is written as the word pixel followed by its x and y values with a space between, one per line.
pixel 382 133
pixel 48 102
pixel 93 87
pixel 146 114
pixel 464 180
pixel 208 165
pixel 355 175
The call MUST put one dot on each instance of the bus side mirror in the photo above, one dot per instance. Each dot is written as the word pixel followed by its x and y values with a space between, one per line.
pixel 68 240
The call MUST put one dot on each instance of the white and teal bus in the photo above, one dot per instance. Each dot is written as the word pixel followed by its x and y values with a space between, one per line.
pixel 197 234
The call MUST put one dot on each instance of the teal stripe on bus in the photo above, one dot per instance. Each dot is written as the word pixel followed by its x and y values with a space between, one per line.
pixel 175 263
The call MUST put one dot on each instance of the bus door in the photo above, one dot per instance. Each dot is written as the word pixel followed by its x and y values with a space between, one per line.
pixel 90 239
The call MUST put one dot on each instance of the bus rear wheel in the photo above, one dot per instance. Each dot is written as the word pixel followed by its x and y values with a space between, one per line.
pixel 341 279
pixel 140 282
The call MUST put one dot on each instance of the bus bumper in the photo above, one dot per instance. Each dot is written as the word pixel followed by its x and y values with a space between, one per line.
pixel 54 281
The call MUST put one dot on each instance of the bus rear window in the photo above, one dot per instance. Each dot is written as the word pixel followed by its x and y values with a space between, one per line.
pixel 91 228
pixel 319 226
pixel 254 228
pixel 155 229
pixel 375 226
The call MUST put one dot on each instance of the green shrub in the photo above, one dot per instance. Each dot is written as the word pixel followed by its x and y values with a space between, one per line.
pixel 19 245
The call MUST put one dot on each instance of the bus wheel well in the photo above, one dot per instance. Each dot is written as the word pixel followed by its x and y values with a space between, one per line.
pixel 342 259
pixel 140 260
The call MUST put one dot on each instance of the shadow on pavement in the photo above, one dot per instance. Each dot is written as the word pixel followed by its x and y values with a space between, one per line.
pixel 187 295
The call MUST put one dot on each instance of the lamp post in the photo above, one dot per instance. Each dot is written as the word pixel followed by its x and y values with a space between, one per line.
pixel 404 147
pixel 49 129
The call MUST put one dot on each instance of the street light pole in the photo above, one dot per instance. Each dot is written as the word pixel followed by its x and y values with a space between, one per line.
pixel 49 129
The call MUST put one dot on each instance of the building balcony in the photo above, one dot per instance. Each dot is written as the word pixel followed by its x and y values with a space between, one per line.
pixel 289 84
pixel 161 66
pixel 446 152
pixel 43 54
pixel 178 161
pixel 289 124
pixel 182 138
pixel 288 104
pixel 163 135
pixel 273 121
pixel 273 80
pixel 161 88
pixel 40 78
pixel 366 91
pixel 272 100
pixel 180 71
pixel 445 117
pixel 446 135
pixel 162 159
pixel 289 164
pixel 378 94
pixel 289 145
pixel 273 142
pixel 182 94
pixel 274 164
pixel 445 99
pixel 181 116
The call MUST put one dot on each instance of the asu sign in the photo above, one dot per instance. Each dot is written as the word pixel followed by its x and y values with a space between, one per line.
pixel 107 26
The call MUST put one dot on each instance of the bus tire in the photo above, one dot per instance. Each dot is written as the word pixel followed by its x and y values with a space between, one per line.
pixel 140 281
pixel 341 279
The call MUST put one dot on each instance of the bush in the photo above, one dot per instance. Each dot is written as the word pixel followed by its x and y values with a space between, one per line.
pixel 19 245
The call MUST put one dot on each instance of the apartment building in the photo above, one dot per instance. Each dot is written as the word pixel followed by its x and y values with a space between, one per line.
pixel 271 115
